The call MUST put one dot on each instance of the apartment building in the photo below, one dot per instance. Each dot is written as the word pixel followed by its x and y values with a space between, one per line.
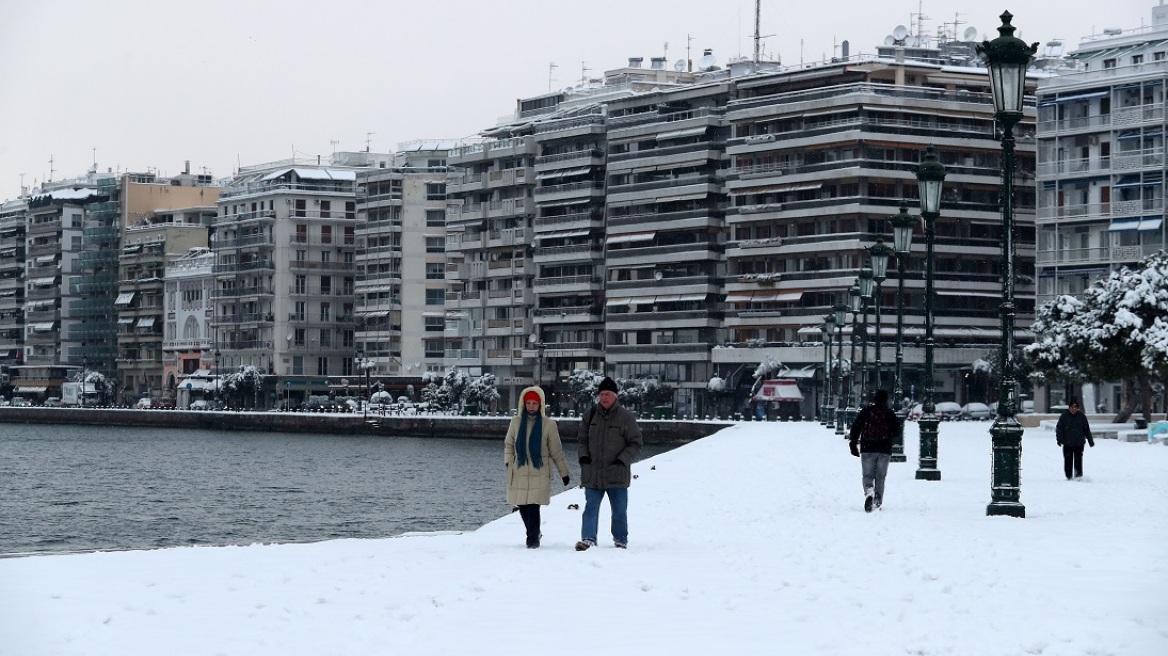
pixel 1101 164
pixel 285 271
pixel 819 162
pixel 12 256
pixel 401 266
pixel 147 251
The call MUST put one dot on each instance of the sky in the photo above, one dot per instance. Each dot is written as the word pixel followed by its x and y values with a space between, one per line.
pixel 145 85
pixel 751 541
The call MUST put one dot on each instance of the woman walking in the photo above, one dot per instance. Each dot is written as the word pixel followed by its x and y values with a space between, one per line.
pixel 532 440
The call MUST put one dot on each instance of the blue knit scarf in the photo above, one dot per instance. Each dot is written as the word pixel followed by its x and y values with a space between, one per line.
pixel 525 444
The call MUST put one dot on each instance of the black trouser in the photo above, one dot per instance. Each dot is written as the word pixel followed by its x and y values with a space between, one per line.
pixel 1073 457
pixel 530 514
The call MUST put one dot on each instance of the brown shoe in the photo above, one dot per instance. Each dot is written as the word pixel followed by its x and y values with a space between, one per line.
pixel 583 545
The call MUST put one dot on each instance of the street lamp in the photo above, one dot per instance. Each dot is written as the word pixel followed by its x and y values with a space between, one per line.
pixel 856 303
pixel 539 344
pixel 841 315
pixel 878 253
pixel 902 230
pixel 365 364
pixel 1007 58
pixel 930 179
pixel 217 354
pixel 867 284
pixel 828 416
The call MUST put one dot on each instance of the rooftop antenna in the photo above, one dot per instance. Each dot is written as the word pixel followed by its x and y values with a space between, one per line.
pixel 584 72
pixel 334 142
pixel 51 169
pixel 552 66
pixel 368 139
pixel 688 58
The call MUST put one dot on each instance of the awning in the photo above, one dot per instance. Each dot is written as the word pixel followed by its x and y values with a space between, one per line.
pixel 562 234
pixel 125 321
pixel 643 300
pixel 789 296
pixel 374 313
pixel 739 297
pixel 1151 224
pixel 42 327
pixel 145 322
pixel 44 282
pixel 691 297
pixel 435 314
pixel 614 302
pixel 1082 96
pixel 41 304
pixel 679 134
pixel 45 259
pixel 674 199
pixel 7 252
pixel 125 299
pixel 635 236
pixel 550 175
pixel 580 171
pixel 1118 225
pixel 668 298
pixel 31 390
pixel 779 189
pixel 969 293
pixel 130 250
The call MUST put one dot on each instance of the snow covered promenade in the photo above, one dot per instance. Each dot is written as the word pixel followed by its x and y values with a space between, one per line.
pixel 751 541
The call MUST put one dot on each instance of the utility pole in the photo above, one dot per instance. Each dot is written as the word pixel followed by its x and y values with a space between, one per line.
pixel 551 71
pixel 757 38
pixel 584 72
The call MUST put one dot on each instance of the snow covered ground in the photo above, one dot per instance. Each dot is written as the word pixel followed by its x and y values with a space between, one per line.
pixel 747 542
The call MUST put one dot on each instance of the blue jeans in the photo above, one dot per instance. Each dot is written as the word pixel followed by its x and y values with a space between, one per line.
pixel 618 501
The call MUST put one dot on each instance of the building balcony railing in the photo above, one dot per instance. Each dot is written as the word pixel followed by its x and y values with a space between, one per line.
pixel 1137 160
pixel 1073 256
pixel 1072 166
pixel 1133 253
pixel 1136 207
pixel 567 280
pixel 1065 211
pixel 236 267
pixel 246 240
pixel 243 291
pixel 228 219
pixel 570 188
pixel 204 344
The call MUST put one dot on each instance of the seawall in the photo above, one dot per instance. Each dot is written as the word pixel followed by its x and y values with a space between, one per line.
pixel 654 431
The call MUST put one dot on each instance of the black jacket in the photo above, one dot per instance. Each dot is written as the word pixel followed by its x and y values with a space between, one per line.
pixel 1073 429
pixel 875 427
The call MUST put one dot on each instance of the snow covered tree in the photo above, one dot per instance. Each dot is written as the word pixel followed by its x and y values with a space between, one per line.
pixel 1117 332
pixel 482 392
pixel 242 386
pixel 582 385
pixel 95 381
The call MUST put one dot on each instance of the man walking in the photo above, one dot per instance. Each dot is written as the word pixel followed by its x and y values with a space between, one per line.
pixel 1071 431
pixel 610 441
pixel 871 440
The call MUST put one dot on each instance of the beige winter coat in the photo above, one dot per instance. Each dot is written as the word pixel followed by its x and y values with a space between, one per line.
pixel 526 484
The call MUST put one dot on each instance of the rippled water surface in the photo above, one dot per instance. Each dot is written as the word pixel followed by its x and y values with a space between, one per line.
pixel 81 488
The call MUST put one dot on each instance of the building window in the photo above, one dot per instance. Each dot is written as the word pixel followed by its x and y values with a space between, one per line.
pixel 435 218
pixel 347 286
pixel 326 208
pixel 298 365
pixel 1158 56
pixel 435 324
pixel 326 310
pixel 326 234
pixel 435 191
pixel 435 271
pixel 300 284
pixel 435 245
pixel 434 349
pixel 326 285
pixel 301 233
pixel 435 297
pixel 301 255
pixel 1137 59
pixel 298 336
pixel 326 256
pixel 301 210
pixel 1108 63
pixel 326 337
pixel 347 339
pixel 322 366
pixel 301 308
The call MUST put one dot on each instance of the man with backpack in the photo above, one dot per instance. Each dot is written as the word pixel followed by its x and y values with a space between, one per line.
pixel 871 440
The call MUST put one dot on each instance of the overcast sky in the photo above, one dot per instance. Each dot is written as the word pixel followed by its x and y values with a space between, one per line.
pixel 138 85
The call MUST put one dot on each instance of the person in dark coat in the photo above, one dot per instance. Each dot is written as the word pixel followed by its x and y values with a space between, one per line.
pixel 610 441
pixel 871 440
pixel 1071 431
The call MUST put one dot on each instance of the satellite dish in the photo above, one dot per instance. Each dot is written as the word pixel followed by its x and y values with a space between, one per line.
pixel 900 32
pixel 913 41
pixel 971 34
pixel 679 65
pixel 707 62
pixel 657 275
pixel 889 40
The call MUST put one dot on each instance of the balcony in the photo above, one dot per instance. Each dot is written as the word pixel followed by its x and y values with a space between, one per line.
pixel 1134 161
pixel 247 240
pixel 1088 210
pixel 1136 207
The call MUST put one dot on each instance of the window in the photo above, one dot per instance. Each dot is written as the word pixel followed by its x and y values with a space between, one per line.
pixel 300 211
pixel 1137 59
pixel 326 337
pixel 434 349
pixel 326 310
pixel 435 297
pixel 301 255
pixel 350 236
pixel 326 208
pixel 435 271
pixel 435 191
pixel 1108 63
pixel 326 256
pixel 298 365
pixel 326 284
pixel 301 284
pixel 347 286
pixel 322 366
pixel 1158 56
pixel 301 232
pixel 435 245
pixel 347 339
pixel 298 336
pixel 435 218
pixel 326 233
pixel 435 324
pixel 348 257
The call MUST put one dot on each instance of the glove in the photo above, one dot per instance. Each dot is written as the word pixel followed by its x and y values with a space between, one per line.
pixel 566 479
pixel 585 460
pixel 854 448
pixel 1092 443
pixel 1060 442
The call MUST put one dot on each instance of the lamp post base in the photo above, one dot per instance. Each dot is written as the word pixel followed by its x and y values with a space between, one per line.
pixel 1006 509
pixel 829 416
pixel 927 469
pixel 898 440
pixel 1006 488
pixel 928 474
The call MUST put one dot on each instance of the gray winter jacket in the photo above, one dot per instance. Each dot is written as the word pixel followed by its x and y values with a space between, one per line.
pixel 609 443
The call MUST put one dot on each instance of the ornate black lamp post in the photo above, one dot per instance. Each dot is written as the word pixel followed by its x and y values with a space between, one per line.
pixel 902 229
pixel 1007 58
pixel 878 253
pixel 365 365
pixel 867 284
pixel 856 303
pixel 217 354
pixel 828 412
pixel 841 316
pixel 930 178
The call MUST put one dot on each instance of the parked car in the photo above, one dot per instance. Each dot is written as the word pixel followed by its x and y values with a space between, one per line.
pixel 53 402
pixel 20 402
pixel 321 403
pixel 204 404
pixel 948 411
pixel 977 411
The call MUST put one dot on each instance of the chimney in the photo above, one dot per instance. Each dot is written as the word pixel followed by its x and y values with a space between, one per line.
pixel 844 49
pixel 635 62
pixel 187 167
pixel 657 63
